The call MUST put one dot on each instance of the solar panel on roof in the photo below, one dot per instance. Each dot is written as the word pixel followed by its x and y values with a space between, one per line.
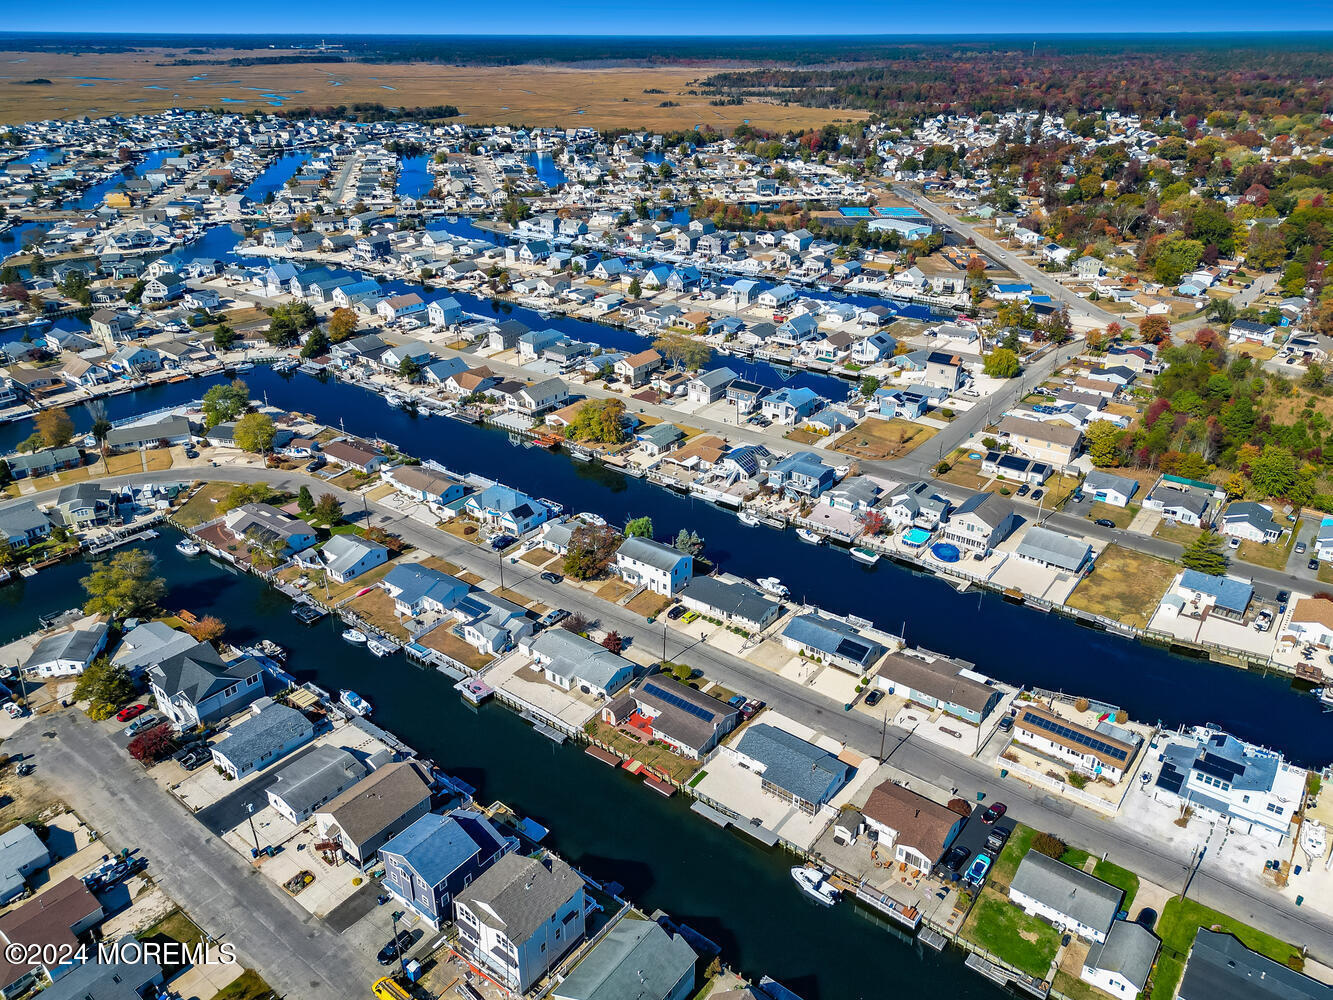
pixel 1218 767
pixel 1075 736
pixel 853 650
pixel 677 701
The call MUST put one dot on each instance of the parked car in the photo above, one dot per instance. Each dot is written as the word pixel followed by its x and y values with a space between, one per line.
pixel 550 577
pixel 994 812
pixel 1104 522
pixel 678 612
pixel 25 769
pixel 1300 548
pixel 1234 542
pixel 314 465
pixel 400 943
pixel 1006 724
pixel 751 707
pixel 1312 565
pixel 1283 596
pixel 130 712
pixel 553 617
pixel 140 724
pixel 955 859
pixel 501 542
pixel 874 697
pixel 997 839
pixel 1023 490
pixel 1038 494
pixel 196 759
pixel 980 866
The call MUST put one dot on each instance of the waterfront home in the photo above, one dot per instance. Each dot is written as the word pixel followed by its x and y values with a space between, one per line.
pixel 490 623
pixel 1323 539
pixel 437 857
pixel 414 351
pixel 349 352
pixel 82 373
pixel 46 462
pixel 21 854
pixel 84 505
pixel 134 359
pixel 416 589
pixel 1108 488
pixel 164 288
pixel 790 404
pixel 439 372
pixel 570 661
pixel 732 602
pixel 918 830
pixel 271 732
pixel 501 507
pixel 111 327
pixel 345 557
pixel 350 455
pixel 1120 964
pixel 634 369
pixel 1206 595
pixel 680 717
pixel 941 370
pixel 22 525
pixel 937 682
pixel 980 523
pixel 171 429
pixel 538 397
pixel 58 919
pixel 710 386
pixel 916 503
pixel 1069 898
pixel 444 311
pixel 790 768
pixel 425 485
pixel 398 307
pixel 636 958
pixel 816 636
pixel 658 439
pixel 520 917
pixel 1105 751
pixel 876 347
pixel 149 643
pixel 1311 622
pixel 376 809
pixel 1219 965
pixel 1250 521
pixel 904 402
pixel 263 524
pixel 67 652
pixel 1054 443
pixel 533 344
pixel 801 474
pixel 1252 789
pixel 312 780
pixel 1054 550
pixel 642 562
pixel 195 685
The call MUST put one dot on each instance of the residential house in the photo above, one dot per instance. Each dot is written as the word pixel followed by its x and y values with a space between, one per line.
pixel 264 525
pixel 22 853
pixel 980 523
pixel 636 958
pixel 1106 750
pixel 733 602
pixel 916 504
pixel 1054 550
pixel 375 810
pixel 353 456
pixel 876 347
pixel 710 386
pixel 84 505
pixel 505 508
pixel 196 685
pixel 790 404
pixel 817 637
pixel 683 718
pixel 539 397
pixel 46 462
pixel 1108 488
pixel 270 733
pixel 1070 898
pixel 937 682
pixel 1054 443
pixel 1120 964
pixel 1311 622
pixel 22 525
pixel 1251 522
pixel 801 474
pixel 417 589
pixel 643 562
pixel 790 768
pixel 424 485
pixel 55 919
pixel 1009 467
pixel 437 857
pixel 1219 967
pixel 916 829
pixel 570 661
pixel 313 779
pixel 345 557
pixel 66 652
pixel 129 973
pixel 634 369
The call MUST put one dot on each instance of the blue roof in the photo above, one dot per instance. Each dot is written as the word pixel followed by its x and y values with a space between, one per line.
pixel 797 396
pixel 794 765
pixel 417 582
pixel 828 635
pixel 435 846
pixel 501 498
pixel 1233 595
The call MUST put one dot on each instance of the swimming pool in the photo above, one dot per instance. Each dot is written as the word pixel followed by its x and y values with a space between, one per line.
pixel 945 552
pixel 916 537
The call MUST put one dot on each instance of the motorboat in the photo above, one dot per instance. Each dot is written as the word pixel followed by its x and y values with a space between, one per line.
pixel 354 703
pixel 774 586
pixel 1314 840
pixel 815 885
pixel 394 400
pixel 272 650
pixel 864 555
pixel 1325 696
pixel 596 520
pixel 188 547
pixel 354 636
pixel 382 648
pixel 748 519
pixel 809 537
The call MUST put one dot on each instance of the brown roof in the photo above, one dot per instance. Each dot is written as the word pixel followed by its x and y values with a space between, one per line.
pixel 1038 431
pixel 1118 761
pixel 419 479
pixel 47 919
pixel 706 449
pixel 379 800
pixel 647 357
pixel 1314 609
pixel 470 381
pixel 939 679
pixel 921 823
pixel 348 454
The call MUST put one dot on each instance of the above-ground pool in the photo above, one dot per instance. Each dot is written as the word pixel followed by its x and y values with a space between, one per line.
pixel 916 537
pixel 945 552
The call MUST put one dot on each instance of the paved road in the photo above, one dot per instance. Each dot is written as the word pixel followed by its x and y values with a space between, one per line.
pixel 1214 886
pixel 295 952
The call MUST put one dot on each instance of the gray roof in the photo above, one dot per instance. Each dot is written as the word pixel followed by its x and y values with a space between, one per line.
pixel 1129 950
pixel 718 378
pixel 1076 894
pixel 655 554
pixel 987 507
pixel 941 678
pixel 436 846
pixel 794 765
pixel 1099 480
pixel 112 981
pixel 737 598
pixel 199 671
pixel 18 519
pixel 1220 968
pixel 830 636
pixel 166 427
pixel 572 656
pixel 315 777
pixel 377 802
pixel 45 458
pixel 76 644
pixel 519 894
pixel 21 851
pixel 272 728
pixel 636 959
pixel 342 552
pixel 1053 548
pixel 150 643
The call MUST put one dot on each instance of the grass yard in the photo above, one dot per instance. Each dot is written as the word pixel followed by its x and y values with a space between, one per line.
pixel 1181 918
pixel 875 438
pixel 1122 878
pixel 131 462
pixel 1126 586
pixel 202 505
pixel 614 590
pixel 1272 556
pixel 1075 988
pixel 1019 843
pixel 1181 534
pixel 247 986
pixel 1011 935
pixel 1120 515
pixel 177 926
pixel 442 638
pixel 965 472
pixel 677 767
pixel 804 437
pixel 1166 976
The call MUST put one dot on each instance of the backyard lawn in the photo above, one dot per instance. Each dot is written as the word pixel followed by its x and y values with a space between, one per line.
pixel 1011 935
pixel 1126 586
pixel 202 506
pixel 1181 534
pixel 1120 515
pixel 657 756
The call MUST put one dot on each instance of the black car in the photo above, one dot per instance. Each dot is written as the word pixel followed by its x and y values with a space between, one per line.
pixel 1006 724
pixel 997 839
pixel 501 542
pixel 395 948
pixel 1037 494
pixel 550 577
pixel 994 813
pixel 1313 564
pixel 956 858
pixel 1104 522
pixel 678 612
pixel 1023 490
pixel 314 465
pixel 873 698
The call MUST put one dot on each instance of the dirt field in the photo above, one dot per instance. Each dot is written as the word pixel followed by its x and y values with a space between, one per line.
pixel 100 84
pixel 1126 586
pixel 877 439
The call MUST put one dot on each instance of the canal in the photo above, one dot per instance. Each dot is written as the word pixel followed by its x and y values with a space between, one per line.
pixel 733 890
pixel 1012 643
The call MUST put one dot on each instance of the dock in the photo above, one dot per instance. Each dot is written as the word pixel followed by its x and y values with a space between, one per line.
pixel 605 756
pixel 663 788
pixel 932 939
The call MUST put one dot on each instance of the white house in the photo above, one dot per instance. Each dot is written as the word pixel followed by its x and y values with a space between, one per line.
pixel 660 568
pixel 1069 898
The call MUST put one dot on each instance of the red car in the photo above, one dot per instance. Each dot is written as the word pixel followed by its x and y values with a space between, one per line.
pixel 993 813
pixel 131 711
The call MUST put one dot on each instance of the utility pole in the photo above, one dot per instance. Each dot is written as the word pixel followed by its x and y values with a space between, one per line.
pixel 250 815
pixel 883 732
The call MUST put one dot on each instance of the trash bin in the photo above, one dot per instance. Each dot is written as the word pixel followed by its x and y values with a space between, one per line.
pixel 1004 772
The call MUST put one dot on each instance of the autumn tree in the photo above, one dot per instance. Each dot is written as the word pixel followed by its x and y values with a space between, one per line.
pixel 599 420
pixel 614 642
pixel 255 432
pixel 206 629
pixel 873 522
pixel 55 427
pixel 683 351
pixel 153 745
pixel 124 586
pixel 342 324
pixel 1002 363
pixel 327 509
pixel 105 686
pixel 591 549
pixel 1154 329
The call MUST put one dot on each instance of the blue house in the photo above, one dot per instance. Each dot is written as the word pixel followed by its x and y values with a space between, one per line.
pixel 506 508
pixel 792 769
pixel 790 404
pixel 437 857
pixel 534 343
pixel 801 474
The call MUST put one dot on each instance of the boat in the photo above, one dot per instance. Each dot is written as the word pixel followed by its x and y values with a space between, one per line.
pixel 748 519
pixel 595 520
pixel 381 647
pixel 813 883
pixel 1314 840
pixel 272 650
pixel 1325 696
pixel 354 703
pixel 864 555
pixel 244 366
pixel 394 400
pixel 810 537
pixel 188 547
pixel 355 636
pixel 774 586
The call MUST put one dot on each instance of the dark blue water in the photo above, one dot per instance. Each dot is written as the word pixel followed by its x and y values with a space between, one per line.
pixel 414 180
pixel 547 171
pixel 461 225
pixel 92 197
pixel 275 175
pixel 14 240
pixel 1009 642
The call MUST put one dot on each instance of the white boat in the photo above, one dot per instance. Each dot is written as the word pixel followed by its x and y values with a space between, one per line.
pixel 381 648
pixel 244 366
pixel 1314 840
pixel 188 547
pixel 596 520
pixel 354 636
pixel 774 586
pixel 748 519
pixel 814 885
pixel 393 399
pixel 864 555
pixel 1325 695
pixel 811 537
pixel 354 703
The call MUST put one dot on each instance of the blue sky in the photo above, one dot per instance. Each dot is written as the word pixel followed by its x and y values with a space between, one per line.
pixel 612 17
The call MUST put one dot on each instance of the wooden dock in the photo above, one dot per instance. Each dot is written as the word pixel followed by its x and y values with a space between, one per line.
pixel 605 756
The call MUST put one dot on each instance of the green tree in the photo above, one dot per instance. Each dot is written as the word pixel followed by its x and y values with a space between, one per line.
pixel 316 343
pixel 600 421
pixel 688 542
pixel 124 586
pixel 327 509
pixel 635 289
pixel 224 337
pixel 104 686
pixel 683 351
pixel 255 432
pixel 1274 472
pixel 1205 555
pixel 305 502
pixel 135 293
pixel 1002 363
pixel 1103 439
pixel 639 527
pixel 868 386
pixel 225 402
pixel 409 369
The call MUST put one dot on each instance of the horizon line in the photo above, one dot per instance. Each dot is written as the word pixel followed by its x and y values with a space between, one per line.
pixel 796 35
